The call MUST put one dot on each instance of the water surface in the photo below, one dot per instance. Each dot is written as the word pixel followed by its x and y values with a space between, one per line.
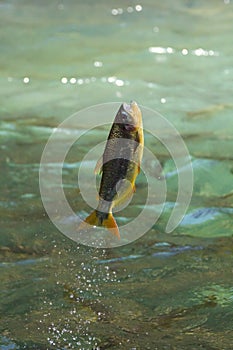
pixel 164 291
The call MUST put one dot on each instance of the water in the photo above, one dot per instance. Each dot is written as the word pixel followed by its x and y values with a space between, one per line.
pixel 164 291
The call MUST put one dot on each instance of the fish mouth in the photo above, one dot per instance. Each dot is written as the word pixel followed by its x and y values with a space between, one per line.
pixel 129 115
pixel 129 107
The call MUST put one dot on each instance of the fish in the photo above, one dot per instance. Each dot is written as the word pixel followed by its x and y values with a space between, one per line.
pixel 119 166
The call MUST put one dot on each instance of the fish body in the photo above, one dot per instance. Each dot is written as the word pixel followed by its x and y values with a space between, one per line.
pixel 119 165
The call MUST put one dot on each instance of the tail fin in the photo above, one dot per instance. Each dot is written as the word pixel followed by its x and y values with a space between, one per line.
pixel 111 225
pixel 93 220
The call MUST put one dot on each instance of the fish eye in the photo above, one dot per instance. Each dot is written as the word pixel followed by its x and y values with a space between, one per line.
pixel 125 117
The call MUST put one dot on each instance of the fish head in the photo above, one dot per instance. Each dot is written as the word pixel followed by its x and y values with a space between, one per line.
pixel 130 116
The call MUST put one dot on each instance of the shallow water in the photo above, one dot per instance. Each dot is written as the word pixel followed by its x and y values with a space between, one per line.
pixel 164 291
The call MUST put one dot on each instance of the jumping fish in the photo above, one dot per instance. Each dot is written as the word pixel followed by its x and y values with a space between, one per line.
pixel 119 165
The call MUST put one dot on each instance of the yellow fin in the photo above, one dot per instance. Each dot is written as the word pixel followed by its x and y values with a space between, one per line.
pixel 99 166
pixel 111 225
pixel 93 220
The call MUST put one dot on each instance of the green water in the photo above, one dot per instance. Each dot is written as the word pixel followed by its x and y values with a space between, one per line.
pixel 164 291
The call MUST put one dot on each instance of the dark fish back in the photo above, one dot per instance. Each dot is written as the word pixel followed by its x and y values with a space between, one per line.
pixel 117 158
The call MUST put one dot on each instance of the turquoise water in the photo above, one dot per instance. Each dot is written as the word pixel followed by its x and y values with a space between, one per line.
pixel 164 291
